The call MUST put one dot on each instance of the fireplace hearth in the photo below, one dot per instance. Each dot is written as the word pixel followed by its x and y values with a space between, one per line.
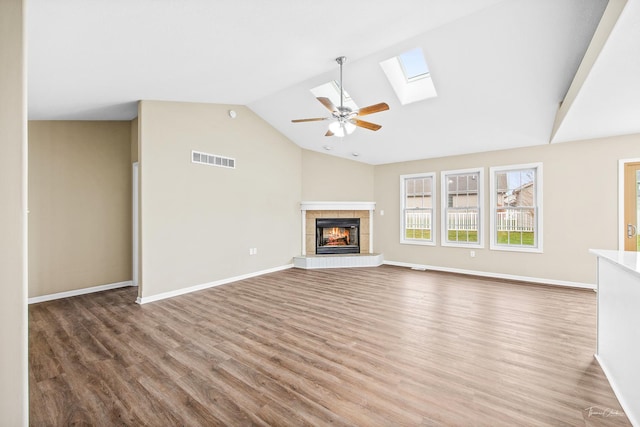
pixel 337 235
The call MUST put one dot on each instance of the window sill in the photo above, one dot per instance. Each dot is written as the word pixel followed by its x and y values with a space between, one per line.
pixel 463 245
pixel 417 243
pixel 505 248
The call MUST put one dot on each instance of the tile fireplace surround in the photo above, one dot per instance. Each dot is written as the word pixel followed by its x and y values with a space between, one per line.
pixel 312 210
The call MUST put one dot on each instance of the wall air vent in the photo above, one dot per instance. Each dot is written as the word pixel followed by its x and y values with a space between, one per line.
pixel 212 160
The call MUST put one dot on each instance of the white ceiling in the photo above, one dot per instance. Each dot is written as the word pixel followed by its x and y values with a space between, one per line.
pixel 501 67
pixel 609 101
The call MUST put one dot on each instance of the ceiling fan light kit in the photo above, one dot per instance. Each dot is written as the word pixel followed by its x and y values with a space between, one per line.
pixel 343 120
pixel 341 128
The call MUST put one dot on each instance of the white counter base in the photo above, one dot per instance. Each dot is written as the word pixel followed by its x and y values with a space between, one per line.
pixel 618 348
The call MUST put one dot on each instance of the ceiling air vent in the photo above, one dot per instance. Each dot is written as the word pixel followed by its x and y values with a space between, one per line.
pixel 212 160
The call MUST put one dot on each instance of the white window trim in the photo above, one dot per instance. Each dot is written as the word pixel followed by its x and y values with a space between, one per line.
pixel 443 213
pixel 403 239
pixel 539 209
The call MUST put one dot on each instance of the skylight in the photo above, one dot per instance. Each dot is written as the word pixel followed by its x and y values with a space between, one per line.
pixel 413 64
pixel 331 90
pixel 409 76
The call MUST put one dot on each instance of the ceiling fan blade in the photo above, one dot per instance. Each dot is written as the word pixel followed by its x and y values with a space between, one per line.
pixel 327 103
pixel 317 119
pixel 366 125
pixel 373 109
pixel 329 133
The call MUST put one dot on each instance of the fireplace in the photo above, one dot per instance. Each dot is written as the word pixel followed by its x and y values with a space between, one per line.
pixel 337 235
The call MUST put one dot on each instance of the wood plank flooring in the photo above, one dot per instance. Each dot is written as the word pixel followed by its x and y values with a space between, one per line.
pixel 384 346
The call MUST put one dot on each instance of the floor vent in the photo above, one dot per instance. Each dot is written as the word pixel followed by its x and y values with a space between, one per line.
pixel 212 160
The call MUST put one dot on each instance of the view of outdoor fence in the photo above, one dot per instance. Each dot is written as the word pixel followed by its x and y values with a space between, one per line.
pixel 463 221
pixel 515 220
pixel 418 220
pixel 506 220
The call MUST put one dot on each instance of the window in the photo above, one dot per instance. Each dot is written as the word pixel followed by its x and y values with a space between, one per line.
pixel 516 205
pixel 462 211
pixel 409 75
pixel 417 201
pixel 331 90
pixel 413 65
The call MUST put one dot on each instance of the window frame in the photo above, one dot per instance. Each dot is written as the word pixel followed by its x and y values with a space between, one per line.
pixel 403 238
pixel 408 89
pixel 538 208
pixel 402 59
pixel 331 90
pixel 444 232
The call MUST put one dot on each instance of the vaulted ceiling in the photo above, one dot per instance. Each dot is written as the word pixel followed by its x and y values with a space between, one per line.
pixel 501 67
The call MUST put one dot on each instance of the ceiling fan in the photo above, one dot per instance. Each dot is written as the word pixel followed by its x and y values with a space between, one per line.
pixel 344 119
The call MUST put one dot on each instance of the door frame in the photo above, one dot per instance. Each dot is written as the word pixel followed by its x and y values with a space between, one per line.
pixel 621 223
pixel 134 222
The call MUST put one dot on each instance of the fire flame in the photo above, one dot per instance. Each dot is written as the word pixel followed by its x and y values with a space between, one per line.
pixel 338 236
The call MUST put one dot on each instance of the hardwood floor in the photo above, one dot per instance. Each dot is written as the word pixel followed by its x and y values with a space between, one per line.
pixel 382 346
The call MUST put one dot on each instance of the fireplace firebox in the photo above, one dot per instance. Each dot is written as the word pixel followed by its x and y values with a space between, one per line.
pixel 337 235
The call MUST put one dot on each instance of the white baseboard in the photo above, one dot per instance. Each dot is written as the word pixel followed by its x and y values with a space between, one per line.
pixel 77 292
pixel 171 294
pixel 494 275
pixel 616 390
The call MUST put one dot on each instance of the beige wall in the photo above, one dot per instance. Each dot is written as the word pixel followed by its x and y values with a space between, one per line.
pixel 13 167
pixel 80 205
pixel 333 179
pixel 198 222
pixel 135 155
pixel 281 170
pixel 134 140
pixel 579 201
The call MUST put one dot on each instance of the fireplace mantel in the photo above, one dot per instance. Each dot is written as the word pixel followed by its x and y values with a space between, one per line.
pixel 337 206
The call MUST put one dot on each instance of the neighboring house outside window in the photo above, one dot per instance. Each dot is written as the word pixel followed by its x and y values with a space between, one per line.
pixel 516 205
pixel 417 199
pixel 462 215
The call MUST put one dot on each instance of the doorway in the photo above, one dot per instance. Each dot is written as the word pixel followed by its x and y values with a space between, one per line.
pixel 630 205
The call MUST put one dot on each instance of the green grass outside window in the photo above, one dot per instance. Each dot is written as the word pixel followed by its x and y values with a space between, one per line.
pixel 462 236
pixel 417 234
pixel 526 238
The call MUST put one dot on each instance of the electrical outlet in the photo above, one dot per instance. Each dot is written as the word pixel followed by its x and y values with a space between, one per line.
pixel 472 254
pixel 255 251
